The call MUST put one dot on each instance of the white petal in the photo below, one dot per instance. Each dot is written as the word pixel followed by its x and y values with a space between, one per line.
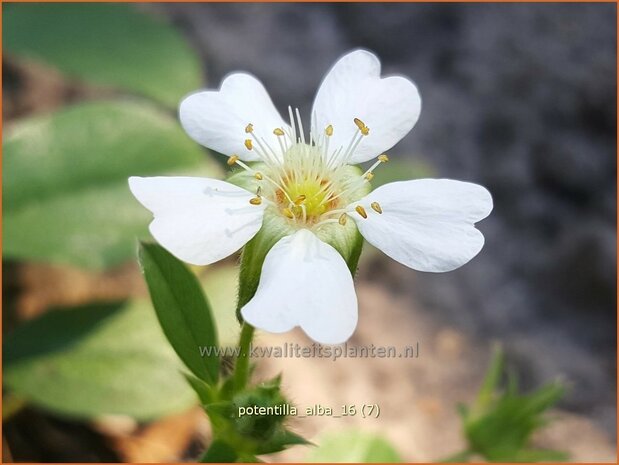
pixel 426 224
pixel 199 220
pixel 353 89
pixel 217 119
pixel 305 282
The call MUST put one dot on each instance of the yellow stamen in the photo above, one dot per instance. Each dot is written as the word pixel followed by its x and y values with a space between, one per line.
pixel 376 207
pixel 258 176
pixel 256 200
pixel 249 128
pixel 359 209
pixel 329 130
pixel 362 127
pixel 248 144
pixel 369 175
pixel 300 199
pixel 278 132
pixel 342 219
pixel 288 213
pixel 232 160
pixel 383 158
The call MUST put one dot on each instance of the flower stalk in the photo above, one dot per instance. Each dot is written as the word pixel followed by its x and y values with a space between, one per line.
pixel 241 367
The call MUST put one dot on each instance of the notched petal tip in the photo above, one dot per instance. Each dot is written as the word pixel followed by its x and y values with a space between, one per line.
pixel 304 282
pixel 427 224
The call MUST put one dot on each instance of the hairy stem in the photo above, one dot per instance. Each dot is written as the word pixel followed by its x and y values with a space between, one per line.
pixel 241 369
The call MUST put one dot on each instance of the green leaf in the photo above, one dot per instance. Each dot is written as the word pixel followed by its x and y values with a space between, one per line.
pixel 487 392
pixel 205 392
pixel 66 197
pixel 112 45
pixel 96 360
pixel 499 425
pixel 183 311
pixel 353 446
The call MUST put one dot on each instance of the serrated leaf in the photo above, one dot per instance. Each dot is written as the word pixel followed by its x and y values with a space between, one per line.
pixel 112 45
pixel 183 311
pixel 66 198
pixel 96 360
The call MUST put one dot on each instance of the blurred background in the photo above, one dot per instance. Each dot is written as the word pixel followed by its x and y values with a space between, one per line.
pixel 518 97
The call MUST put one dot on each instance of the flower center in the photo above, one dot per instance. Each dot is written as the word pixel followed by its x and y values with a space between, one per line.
pixel 306 182
pixel 307 189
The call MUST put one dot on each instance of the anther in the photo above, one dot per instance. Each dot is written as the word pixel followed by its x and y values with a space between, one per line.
pixel 359 209
pixel 232 160
pixel 362 127
pixel 329 130
pixel 256 200
pixel 249 128
pixel 300 199
pixel 258 176
pixel 376 207
pixel 248 144
pixel 288 213
pixel 369 175
pixel 342 219
pixel 383 158
pixel 278 132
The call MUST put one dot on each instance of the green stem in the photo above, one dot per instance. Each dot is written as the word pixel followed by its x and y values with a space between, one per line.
pixel 241 369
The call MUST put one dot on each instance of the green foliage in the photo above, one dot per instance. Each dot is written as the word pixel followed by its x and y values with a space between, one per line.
pixel 219 452
pixel 66 198
pixel 353 446
pixel 113 45
pixel 259 427
pixel 96 360
pixel 498 426
pixel 247 436
pixel 183 311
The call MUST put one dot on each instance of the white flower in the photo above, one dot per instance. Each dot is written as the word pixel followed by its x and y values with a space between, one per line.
pixel 308 185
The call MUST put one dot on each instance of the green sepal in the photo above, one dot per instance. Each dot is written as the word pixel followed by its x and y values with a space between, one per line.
pixel 280 440
pixel 274 227
pixel 259 427
pixel 245 179
pixel 223 410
